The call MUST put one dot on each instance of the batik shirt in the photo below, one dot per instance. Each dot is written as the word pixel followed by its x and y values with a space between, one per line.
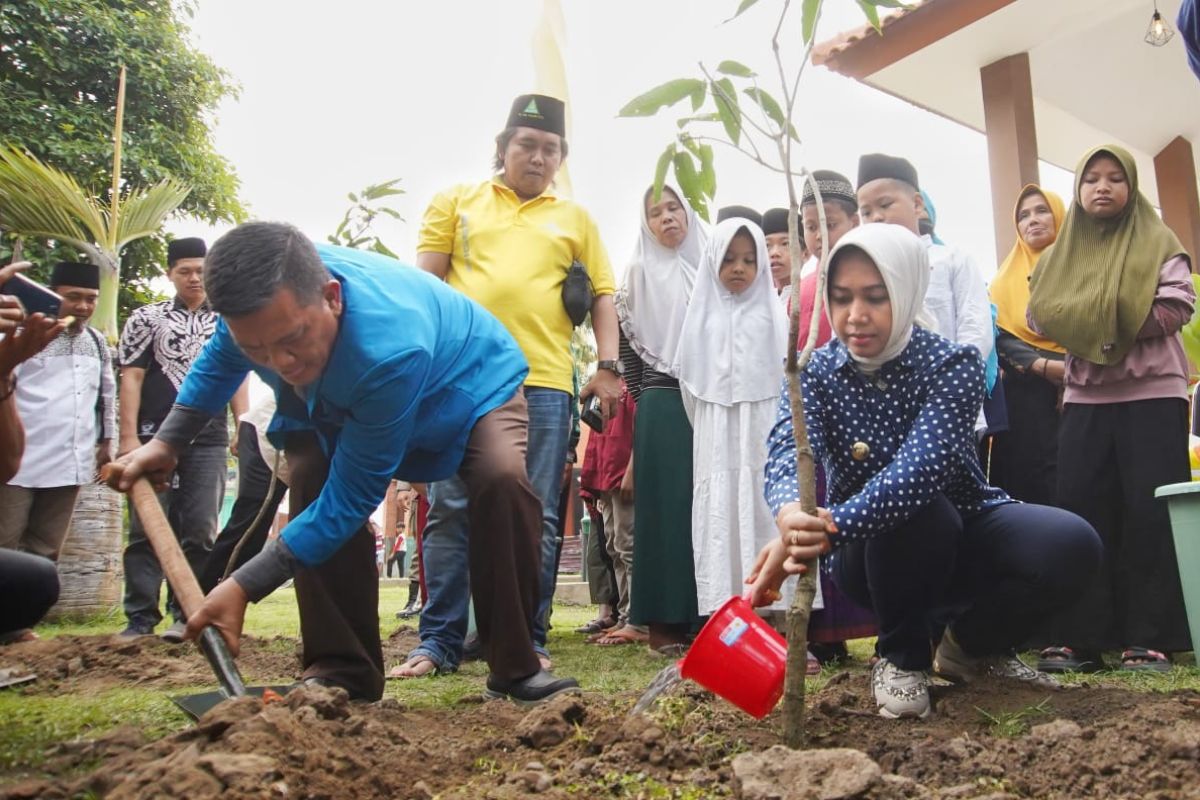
pixel 164 339
pixel 916 418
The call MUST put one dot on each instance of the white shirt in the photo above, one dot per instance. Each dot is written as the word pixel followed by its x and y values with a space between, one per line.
pixel 63 394
pixel 957 298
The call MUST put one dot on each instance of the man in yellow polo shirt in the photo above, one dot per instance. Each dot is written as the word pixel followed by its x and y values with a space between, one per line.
pixel 508 243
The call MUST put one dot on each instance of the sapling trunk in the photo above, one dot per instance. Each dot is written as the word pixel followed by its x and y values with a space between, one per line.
pixel 806 478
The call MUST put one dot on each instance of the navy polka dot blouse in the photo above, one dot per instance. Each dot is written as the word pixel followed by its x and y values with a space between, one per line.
pixel 890 443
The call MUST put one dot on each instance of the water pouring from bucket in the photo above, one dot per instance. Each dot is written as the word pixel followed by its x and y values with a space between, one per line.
pixel 736 655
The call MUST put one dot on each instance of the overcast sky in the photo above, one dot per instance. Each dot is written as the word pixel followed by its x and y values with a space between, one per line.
pixel 337 96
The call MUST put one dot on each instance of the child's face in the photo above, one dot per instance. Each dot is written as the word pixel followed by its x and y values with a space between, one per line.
pixel 740 264
pixel 887 200
pixel 836 220
pixel 859 305
pixel 781 259
pixel 1104 190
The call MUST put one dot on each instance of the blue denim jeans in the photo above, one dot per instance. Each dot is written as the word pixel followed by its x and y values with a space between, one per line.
pixel 443 625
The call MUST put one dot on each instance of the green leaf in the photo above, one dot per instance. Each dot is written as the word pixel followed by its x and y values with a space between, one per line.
pixel 731 115
pixel 768 104
pixel 871 13
pixel 708 174
pixel 713 117
pixel 742 6
pixel 699 95
pixel 689 182
pixel 667 94
pixel 736 69
pixel 660 171
pixel 808 19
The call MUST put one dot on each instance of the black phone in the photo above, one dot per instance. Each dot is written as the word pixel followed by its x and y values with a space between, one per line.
pixel 35 298
pixel 591 416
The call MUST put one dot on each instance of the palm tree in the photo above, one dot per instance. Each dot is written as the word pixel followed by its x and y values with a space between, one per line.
pixel 41 201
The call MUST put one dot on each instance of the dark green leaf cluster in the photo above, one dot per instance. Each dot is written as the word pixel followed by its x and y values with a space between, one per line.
pixel 59 61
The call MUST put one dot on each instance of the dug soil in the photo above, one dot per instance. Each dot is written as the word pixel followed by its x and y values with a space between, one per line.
pixel 985 741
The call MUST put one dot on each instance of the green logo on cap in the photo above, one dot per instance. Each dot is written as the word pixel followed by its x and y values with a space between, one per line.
pixel 532 108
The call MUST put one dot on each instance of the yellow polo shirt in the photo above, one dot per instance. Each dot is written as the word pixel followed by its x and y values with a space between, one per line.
pixel 511 257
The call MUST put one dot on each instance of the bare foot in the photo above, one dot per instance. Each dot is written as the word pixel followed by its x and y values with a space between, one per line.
pixel 416 667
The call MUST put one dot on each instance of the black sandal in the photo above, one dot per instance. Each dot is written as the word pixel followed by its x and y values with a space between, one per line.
pixel 1143 659
pixel 597 625
pixel 1066 659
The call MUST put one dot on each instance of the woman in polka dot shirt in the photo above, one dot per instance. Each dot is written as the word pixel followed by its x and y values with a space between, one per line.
pixel 917 534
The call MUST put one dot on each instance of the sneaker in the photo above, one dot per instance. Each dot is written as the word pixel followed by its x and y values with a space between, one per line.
pixel 136 630
pixel 174 634
pixel 537 688
pixel 953 664
pixel 900 692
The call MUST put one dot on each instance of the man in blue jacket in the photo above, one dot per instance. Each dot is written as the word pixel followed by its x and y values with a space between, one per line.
pixel 380 372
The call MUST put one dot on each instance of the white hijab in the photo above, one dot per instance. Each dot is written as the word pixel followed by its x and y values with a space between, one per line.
pixel 658 283
pixel 903 261
pixel 733 345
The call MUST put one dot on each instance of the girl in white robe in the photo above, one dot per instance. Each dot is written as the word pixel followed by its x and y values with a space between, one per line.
pixel 730 367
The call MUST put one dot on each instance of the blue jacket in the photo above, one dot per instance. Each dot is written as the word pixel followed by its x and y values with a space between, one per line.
pixel 414 366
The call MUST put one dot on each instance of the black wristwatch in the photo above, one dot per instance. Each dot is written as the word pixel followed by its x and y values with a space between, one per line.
pixel 614 366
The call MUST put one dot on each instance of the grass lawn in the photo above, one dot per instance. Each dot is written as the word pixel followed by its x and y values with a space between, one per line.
pixel 32 723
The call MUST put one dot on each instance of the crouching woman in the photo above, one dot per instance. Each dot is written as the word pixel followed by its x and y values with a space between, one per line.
pixel 916 533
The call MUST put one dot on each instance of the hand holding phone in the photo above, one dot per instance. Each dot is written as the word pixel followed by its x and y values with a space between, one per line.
pixel 591 416
pixel 35 298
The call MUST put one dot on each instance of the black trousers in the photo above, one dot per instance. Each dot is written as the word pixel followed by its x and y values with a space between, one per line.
pixel 991 576
pixel 254 483
pixel 1111 458
pixel 1024 458
pixel 28 588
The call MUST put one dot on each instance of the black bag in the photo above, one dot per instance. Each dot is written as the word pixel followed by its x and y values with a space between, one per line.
pixel 577 293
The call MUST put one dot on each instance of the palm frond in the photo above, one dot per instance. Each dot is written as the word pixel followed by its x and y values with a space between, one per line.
pixel 142 211
pixel 39 200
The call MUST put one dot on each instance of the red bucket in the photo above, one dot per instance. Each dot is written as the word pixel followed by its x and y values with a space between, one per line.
pixel 738 656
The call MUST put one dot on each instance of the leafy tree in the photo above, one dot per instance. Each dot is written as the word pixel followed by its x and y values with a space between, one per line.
pixel 759 126
pixel 59 61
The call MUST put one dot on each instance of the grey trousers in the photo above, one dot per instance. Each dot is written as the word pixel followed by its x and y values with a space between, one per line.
pixel 618 539
pixel 192 506
pixel 36 520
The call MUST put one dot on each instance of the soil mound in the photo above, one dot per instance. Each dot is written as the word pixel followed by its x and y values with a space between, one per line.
pixel 988 742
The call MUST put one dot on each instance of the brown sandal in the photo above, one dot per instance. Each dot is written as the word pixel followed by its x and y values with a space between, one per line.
pixel 625 635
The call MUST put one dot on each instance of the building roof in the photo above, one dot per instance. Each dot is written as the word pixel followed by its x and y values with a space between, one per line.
pixel 1094 79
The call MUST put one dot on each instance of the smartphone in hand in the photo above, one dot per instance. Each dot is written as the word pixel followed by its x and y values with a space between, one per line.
pixel 35 298
pixel 591 416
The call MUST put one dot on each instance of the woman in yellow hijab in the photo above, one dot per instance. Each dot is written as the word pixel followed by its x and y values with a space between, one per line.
pixel 1023 458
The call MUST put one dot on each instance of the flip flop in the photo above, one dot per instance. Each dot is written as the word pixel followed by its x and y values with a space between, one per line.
pixel 1066 659
pixel 625 635
pixel 419 666
pixel 597 625
pixel 1142 659
pixel 673 650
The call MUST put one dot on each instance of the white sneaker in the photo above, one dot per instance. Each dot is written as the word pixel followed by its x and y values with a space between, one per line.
pixel 900 692
pixel 953 664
